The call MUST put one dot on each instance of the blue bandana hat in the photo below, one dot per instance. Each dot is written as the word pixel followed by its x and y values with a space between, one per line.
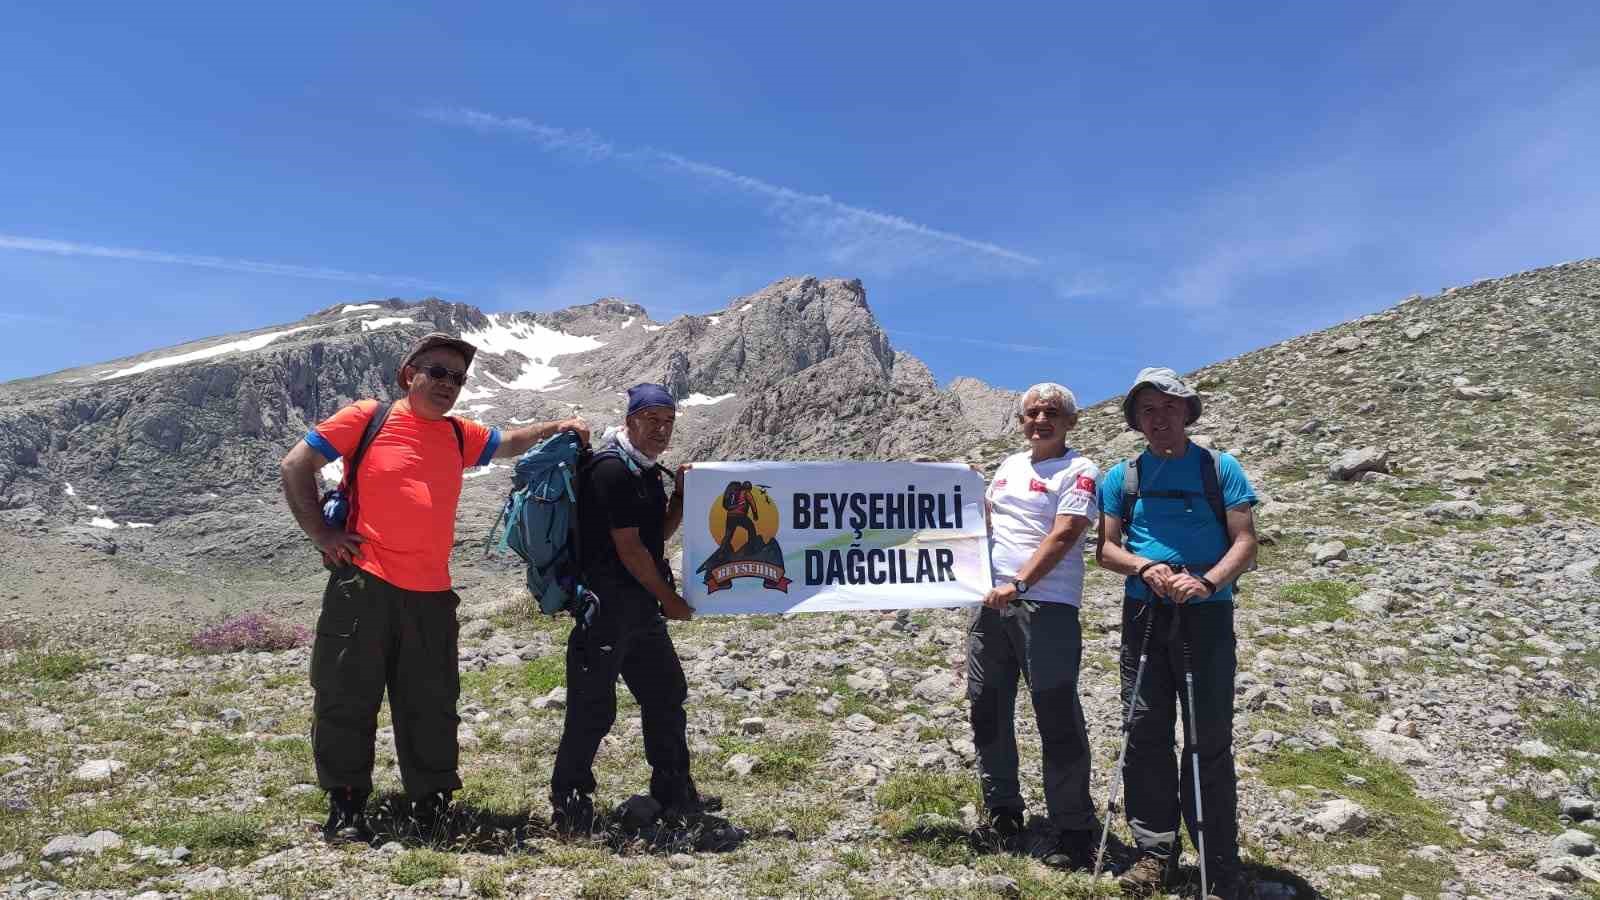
pixel 644 396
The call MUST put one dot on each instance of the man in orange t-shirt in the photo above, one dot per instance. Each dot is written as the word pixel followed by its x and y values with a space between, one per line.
pixel 388 613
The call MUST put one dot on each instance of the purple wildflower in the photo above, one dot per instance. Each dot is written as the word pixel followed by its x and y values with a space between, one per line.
pixel 250 631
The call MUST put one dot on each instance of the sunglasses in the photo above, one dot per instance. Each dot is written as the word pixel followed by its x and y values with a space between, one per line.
pixel 439 373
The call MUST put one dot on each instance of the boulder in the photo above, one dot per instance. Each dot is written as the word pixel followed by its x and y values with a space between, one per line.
pixel 1339 816
pixel 1353 462
pixel 1454 510
pixel 1396 748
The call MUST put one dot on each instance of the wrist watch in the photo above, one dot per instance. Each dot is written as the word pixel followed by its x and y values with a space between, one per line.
pixel 1020 585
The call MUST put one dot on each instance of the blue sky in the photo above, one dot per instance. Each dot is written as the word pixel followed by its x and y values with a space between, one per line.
pixel 1030 192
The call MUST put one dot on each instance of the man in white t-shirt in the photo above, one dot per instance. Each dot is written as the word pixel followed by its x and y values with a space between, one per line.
pixel 1040 504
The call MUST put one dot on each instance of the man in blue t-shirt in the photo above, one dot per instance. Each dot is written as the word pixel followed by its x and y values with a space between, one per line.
pixel 1181 560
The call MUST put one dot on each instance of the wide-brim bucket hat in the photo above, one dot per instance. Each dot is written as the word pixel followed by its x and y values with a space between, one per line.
pixel 1167 382
pixel 430 341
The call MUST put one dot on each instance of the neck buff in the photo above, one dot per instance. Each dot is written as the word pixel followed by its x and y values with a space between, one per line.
pixel 619 436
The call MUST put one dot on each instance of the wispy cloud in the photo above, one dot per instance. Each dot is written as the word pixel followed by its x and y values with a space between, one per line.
pixel 227 264
pixel 977 342
pixel 819 212
pixel 1076 353
pixel 666 278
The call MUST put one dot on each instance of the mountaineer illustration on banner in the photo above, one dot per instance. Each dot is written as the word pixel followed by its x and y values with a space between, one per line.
pixel 747 522
pixel 809 536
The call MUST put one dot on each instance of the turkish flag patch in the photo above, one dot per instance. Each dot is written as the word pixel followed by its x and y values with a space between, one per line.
pixel 1085 483
pixel 1037 486
pixel 1000 483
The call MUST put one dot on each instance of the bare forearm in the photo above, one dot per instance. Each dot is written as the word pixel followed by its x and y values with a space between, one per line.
pixel 300 491
pixel 674 515
pixel 1235 561
pixel 1049 554
pixel 1114 558
pixel 517 441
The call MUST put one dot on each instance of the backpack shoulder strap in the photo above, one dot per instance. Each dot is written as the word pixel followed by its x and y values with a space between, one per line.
pixel 613 450
pixel 1130 489
pixel 461 441
pixel 380 414
pixel 1211 486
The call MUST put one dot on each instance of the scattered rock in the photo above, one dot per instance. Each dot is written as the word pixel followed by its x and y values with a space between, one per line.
pixel 1582 569
pixel 859 723
pixel 1322 554
pixel 1479 392
pixel 1558 870
pixel 753 725
pixel 1535 749
pixel 1578 809
pixel 1396 748
pixel 1339 816
pixel 938 688
pixel 211 879
pixel 1572 842
pixel 1454 509
pixel 870 680
pixel 741 765
pixel 556 699
pixel 1353 462
pixel 74 845
pixel 98 769
pixel 1004 885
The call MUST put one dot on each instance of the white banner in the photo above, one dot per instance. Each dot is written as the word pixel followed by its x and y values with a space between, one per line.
pixel 777 537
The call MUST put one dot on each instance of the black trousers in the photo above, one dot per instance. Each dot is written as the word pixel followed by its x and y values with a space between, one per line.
pixel 626 637
pixel 372 635
pixel 1156 790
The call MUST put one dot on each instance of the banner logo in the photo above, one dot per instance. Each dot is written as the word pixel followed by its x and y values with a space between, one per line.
pixel 744 523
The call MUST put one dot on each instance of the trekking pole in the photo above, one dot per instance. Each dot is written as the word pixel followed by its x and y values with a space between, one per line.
pixel 1189 729
pixel 1127 734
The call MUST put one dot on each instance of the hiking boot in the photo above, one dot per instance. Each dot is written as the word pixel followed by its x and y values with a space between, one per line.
pixel 347 818
pixel 1072 850
pixel 1145 877
pixel 690 809
pixel 1229 883
pixel 572 815
pixel 428 813
pixel 1000 827
pixel 1007 823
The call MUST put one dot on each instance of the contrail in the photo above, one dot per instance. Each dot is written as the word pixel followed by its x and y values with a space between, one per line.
pixel 593 146
pixel 253 266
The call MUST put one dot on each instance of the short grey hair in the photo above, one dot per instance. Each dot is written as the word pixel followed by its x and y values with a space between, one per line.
pixel 1049 392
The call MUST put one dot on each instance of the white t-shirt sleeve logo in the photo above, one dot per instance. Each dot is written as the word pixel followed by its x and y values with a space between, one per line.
pixel 1078 496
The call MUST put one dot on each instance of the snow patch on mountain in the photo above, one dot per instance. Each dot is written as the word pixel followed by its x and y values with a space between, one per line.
pixel 240 346
pixel 356 307
pixel 538 343
pixel 384 322
pixel 699 399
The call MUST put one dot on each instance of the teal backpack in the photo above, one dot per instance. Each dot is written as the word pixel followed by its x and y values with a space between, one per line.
pixel 541 519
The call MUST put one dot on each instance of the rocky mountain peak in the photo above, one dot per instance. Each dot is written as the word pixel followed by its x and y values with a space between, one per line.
pixel 799 366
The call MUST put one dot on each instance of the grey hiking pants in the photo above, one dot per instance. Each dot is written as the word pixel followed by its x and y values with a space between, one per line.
pixel 372 635
pixel 1045 647
pixel 1152 796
